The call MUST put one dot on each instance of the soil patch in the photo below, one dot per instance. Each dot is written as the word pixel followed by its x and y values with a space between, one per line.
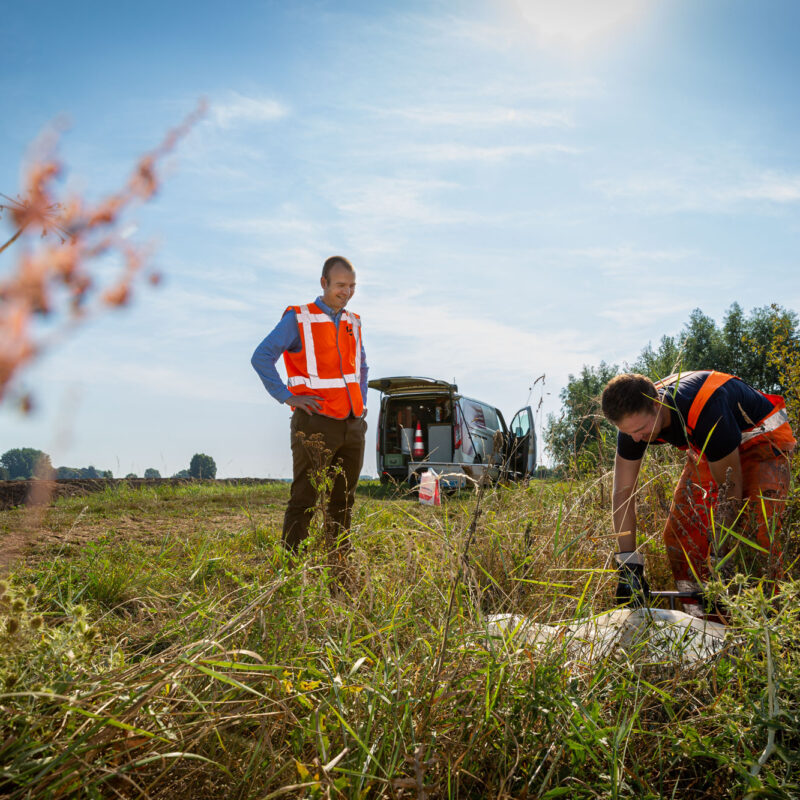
pixel 33 530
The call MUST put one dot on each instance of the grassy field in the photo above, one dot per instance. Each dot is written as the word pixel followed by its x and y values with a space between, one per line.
pixel 155 642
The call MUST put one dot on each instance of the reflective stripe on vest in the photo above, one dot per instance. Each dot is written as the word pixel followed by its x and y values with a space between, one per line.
pixel 770 423
pixel 313 382
pixel 710 385
pixel 306 318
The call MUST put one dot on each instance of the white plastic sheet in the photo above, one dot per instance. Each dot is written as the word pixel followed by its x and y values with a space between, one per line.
pixel 662 634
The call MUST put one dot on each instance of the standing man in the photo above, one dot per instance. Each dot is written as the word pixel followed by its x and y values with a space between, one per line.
pixel 736 478
pixel 327 369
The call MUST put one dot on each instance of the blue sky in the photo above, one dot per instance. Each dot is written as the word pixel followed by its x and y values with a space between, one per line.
pixel 523 187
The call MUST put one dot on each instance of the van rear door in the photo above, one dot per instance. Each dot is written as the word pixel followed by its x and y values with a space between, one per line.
pixel 521 445
pixel 407 384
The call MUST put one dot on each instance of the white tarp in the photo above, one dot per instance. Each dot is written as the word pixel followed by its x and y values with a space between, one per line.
pixel 665 635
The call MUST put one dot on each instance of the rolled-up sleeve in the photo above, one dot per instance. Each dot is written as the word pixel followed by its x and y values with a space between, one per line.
pixel 284 336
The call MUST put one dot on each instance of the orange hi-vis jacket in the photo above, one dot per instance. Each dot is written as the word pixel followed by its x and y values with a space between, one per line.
pixel 774 426
pixel 329 363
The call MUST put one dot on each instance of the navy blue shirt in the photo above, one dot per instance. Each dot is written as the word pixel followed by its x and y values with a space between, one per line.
pixel 732 408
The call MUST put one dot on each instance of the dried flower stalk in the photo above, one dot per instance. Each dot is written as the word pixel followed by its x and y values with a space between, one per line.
pixel 58 242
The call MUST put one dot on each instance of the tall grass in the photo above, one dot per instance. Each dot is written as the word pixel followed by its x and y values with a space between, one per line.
pixel 193 659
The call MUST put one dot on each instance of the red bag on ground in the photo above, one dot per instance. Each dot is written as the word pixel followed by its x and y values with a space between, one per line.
pixel 429 488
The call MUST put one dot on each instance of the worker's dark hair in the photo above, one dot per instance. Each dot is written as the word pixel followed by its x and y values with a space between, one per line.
pixel 627 394
pixel 334 261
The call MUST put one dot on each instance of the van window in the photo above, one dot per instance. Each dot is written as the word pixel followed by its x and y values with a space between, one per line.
pixel 490 415
pixel 520 424
pixel 479 415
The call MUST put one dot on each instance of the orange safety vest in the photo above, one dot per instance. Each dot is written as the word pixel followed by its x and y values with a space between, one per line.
pixel 328 364
pixel 775 424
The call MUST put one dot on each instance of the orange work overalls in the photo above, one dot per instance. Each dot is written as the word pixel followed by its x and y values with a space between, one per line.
pixel 765 452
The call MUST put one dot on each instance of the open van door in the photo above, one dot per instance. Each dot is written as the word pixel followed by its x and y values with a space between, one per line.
pixel 521 445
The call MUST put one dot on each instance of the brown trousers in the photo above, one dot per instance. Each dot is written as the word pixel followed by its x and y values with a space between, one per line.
pixel 339 454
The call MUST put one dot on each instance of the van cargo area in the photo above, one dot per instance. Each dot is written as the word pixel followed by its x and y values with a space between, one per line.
pixel 427 424
pixel 433 414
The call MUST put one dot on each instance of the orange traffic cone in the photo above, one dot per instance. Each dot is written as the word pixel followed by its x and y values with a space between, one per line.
pixel 419 448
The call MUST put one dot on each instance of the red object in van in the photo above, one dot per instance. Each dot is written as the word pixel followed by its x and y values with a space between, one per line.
pixel 419 448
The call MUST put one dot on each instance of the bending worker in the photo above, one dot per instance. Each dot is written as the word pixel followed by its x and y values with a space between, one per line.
pixel 327 369
pixel 738 444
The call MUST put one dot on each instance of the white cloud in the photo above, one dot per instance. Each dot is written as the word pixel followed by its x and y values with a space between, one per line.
pixel 270 226
pixel 442 336
pixel 140 378
pixel 644 310
pixel 391 199
pixel 628 260
pixel 703 186
pixel 770 186
pixel 578 24
pixel 481 117
pixel 239 109
pixel 464 152
pixel 571 26
pixel 195 302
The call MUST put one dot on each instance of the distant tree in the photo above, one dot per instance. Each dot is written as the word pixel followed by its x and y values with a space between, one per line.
pixel 24 462
pixel 131 475
pixel 67 473
pixel 107 473
pixel 784 356
pixel 202 466
pixel 659 363
pixel 765 326
pixel 702 344
pixel 735 353
pixel 740 346
pixel 581 437
pixel 152 473
pixel 90 472
pixel 183 473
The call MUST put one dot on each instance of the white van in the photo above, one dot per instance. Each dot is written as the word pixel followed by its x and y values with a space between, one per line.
pixel 457 433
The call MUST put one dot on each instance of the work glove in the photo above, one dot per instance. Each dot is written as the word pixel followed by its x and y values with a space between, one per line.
pixel 633 589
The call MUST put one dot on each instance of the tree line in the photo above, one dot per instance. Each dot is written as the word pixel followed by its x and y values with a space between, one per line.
pixel 23 463
pixel 758 347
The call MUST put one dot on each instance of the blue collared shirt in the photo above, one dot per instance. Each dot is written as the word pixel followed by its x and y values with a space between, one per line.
pixel 286 336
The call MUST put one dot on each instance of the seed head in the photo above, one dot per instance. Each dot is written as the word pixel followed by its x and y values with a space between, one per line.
pixel 91 634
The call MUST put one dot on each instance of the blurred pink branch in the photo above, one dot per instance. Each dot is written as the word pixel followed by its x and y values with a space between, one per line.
pixel 53 277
